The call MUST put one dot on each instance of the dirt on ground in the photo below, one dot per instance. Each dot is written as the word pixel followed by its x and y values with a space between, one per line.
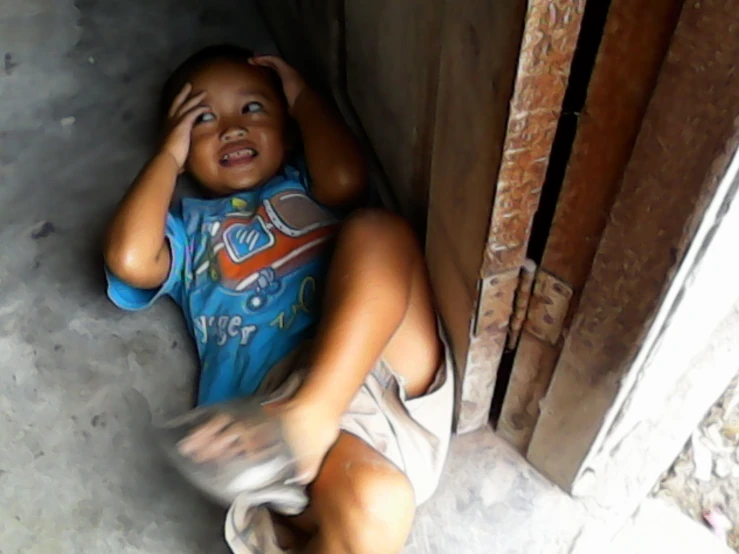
pixel 704 480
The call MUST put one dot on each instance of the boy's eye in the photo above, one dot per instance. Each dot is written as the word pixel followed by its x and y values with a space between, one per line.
pixel 252 107
pixel 205 118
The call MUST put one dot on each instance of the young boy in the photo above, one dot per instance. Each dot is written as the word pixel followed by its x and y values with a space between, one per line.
pixel 371 420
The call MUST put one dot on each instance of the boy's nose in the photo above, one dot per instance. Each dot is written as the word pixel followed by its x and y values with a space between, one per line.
pixel 233 133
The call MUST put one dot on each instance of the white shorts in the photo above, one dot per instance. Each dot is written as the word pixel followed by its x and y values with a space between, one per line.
pixel 413 434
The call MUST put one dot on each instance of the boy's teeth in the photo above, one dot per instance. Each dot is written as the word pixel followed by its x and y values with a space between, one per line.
pixel 240 153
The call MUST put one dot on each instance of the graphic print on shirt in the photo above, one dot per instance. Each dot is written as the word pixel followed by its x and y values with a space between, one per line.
pixel 250 250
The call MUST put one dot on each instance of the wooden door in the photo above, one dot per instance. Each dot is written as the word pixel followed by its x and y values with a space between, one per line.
pixel 594 409
pixel 505 67
pixel 633 45
pixel 431 85
pixel 462 102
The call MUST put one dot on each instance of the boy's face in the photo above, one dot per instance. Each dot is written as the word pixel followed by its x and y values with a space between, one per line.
pixel 240 143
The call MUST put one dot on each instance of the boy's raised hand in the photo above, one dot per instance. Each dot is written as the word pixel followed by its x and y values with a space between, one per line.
pixel 183 113
pixel 292 83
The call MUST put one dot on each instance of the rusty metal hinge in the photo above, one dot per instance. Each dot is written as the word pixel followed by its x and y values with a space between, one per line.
pixel 548 307
pixel 527 299
pixel 494 304
pixel 540 305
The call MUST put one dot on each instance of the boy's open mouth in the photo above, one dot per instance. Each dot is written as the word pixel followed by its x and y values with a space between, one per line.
pixel 240 156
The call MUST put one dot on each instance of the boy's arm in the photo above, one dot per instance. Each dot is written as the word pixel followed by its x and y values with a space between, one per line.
pixel 135 247
pixel 335 162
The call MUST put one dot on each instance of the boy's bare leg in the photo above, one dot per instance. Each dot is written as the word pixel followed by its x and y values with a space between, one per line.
pixel 378 304
pixel 360 503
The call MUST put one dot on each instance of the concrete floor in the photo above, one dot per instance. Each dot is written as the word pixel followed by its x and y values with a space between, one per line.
pixel 81 380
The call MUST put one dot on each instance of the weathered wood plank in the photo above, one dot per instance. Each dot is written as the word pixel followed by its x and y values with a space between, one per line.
pixel 310 35
pixel 478 62
pixel 492 147
pixel 392 64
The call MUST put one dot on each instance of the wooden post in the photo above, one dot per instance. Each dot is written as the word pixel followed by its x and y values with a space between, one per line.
pixel 483 153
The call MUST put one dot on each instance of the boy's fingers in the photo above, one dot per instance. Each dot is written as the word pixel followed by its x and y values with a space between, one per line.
pixel 223 438
pixel 190 117
pixel 231 452
pixel 248 437
pixel 218 446
pixel 190 104
pixel 262 60
pixel 259 436
pixel 273 62
pixel 204 434
pixel 179 99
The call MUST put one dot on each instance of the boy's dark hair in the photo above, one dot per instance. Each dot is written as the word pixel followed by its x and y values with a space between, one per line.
pixel 200 59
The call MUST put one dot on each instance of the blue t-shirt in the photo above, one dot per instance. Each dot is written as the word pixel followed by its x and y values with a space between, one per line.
pixel 246 271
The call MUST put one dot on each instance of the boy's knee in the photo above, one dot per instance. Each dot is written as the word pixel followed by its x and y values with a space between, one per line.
pixel 383 504
pixel 375 225
pixel 375 509
pixel 381 492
